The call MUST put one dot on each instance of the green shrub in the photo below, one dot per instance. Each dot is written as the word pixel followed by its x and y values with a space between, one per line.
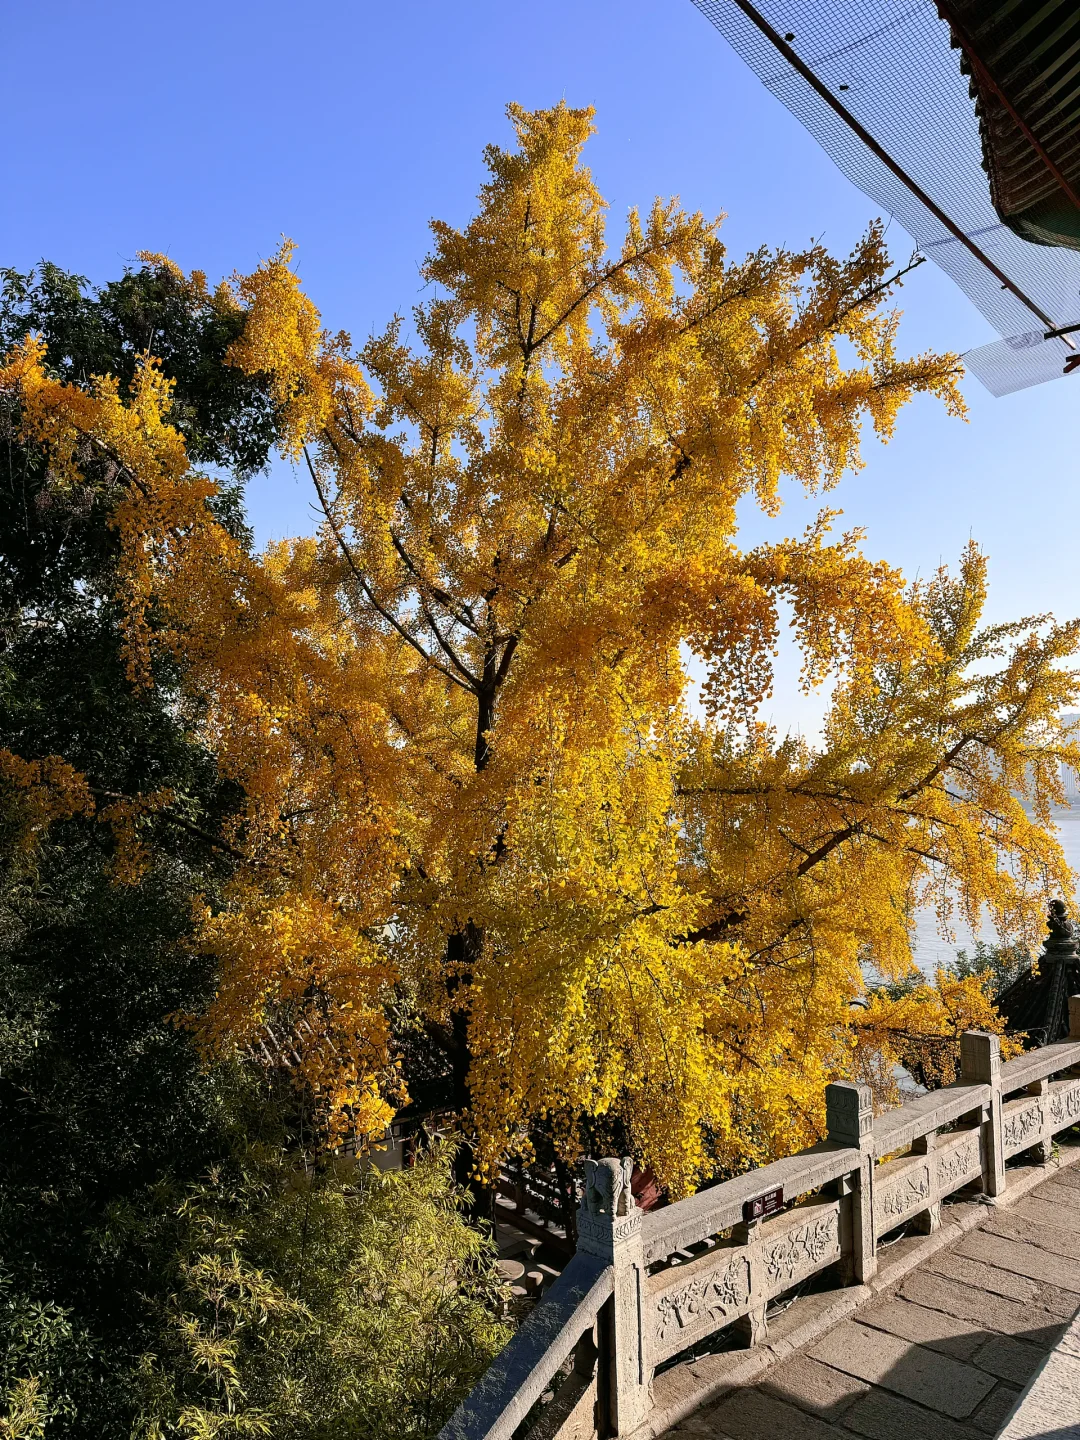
pixel 339 1304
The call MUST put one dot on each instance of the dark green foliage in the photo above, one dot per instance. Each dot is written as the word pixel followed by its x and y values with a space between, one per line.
pixel 325 1304
pixel 102 1096
pixel 227 418
pixel 36 1339
pixel 1003 964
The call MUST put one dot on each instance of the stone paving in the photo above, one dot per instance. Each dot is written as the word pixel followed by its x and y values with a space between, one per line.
pixel 943 1356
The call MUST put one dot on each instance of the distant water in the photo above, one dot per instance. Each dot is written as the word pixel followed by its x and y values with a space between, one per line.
pixel 931 951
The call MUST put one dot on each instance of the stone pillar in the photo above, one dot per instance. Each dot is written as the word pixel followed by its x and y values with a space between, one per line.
pixel 753 1326
pixel 1043 1152
pixel 980 1064
pixel 1074 1017
pixel 928 1220
pixel 849 1115
pixel 609 1226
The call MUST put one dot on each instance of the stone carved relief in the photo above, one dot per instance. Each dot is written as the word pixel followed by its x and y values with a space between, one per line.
pixel 1065 1106
pixel 954 1166
pixel 910 1192
pixel 801 1249
pixel 599 1233
pixel 711 1297
pixel 1022 1128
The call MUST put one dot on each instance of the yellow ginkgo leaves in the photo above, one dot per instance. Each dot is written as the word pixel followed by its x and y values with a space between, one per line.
pixel 479 816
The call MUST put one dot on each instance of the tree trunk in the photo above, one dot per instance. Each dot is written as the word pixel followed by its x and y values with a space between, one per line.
pixel 462 950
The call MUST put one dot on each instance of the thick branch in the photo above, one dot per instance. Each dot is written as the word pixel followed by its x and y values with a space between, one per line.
pixel 445 646
pixel 601 280
pixel 361 580
pixel 943 764
pixel 715 929
pixel 816 856
pixel 172 818
pixel 457 610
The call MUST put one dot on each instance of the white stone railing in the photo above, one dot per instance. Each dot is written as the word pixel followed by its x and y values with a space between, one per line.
pixel 562 1323
pixel 642 1288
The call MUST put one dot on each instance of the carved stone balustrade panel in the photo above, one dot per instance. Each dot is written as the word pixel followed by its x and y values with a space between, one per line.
pixel 688 1302
pixel 809 1241
pixel 1063 1102
pixel 1022 1124
pixel 956 1162
pixel 901 1188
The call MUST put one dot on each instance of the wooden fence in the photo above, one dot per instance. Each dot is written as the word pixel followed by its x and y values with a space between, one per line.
pixel 643 1287
pixel 539 1202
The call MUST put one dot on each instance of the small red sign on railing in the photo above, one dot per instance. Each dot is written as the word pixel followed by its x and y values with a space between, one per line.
pixel 771 1203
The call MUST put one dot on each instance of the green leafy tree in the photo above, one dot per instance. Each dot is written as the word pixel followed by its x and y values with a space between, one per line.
pixel 36 1341
pixel 338 1303
pixel 999 964
pixel 101 1094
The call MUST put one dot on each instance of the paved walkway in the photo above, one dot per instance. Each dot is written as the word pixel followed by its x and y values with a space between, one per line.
pixel 941 1357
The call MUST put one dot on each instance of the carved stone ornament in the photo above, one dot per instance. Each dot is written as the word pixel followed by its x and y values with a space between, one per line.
pixel 802 1250
pixel 608 1215
pixel 956 1165
pixel 911 1191
pixel 1065 1105
pixel 607 1187
pixel 1022 1128
pixel 1061 928
pixel 709 1297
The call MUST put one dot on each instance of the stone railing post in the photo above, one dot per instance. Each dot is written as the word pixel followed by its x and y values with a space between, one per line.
pixel 927 1221
pixel 1047 1149
pixel 980 1064
pixel 753 1327
pixel 849 1115
pixel 609 1226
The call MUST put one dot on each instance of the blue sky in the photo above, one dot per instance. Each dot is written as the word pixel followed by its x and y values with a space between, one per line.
pixel 208 131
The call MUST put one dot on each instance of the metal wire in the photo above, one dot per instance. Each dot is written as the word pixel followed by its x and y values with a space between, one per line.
pixel 891 65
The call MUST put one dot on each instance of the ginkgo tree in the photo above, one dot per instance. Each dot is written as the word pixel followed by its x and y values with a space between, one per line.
pixel 479 804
